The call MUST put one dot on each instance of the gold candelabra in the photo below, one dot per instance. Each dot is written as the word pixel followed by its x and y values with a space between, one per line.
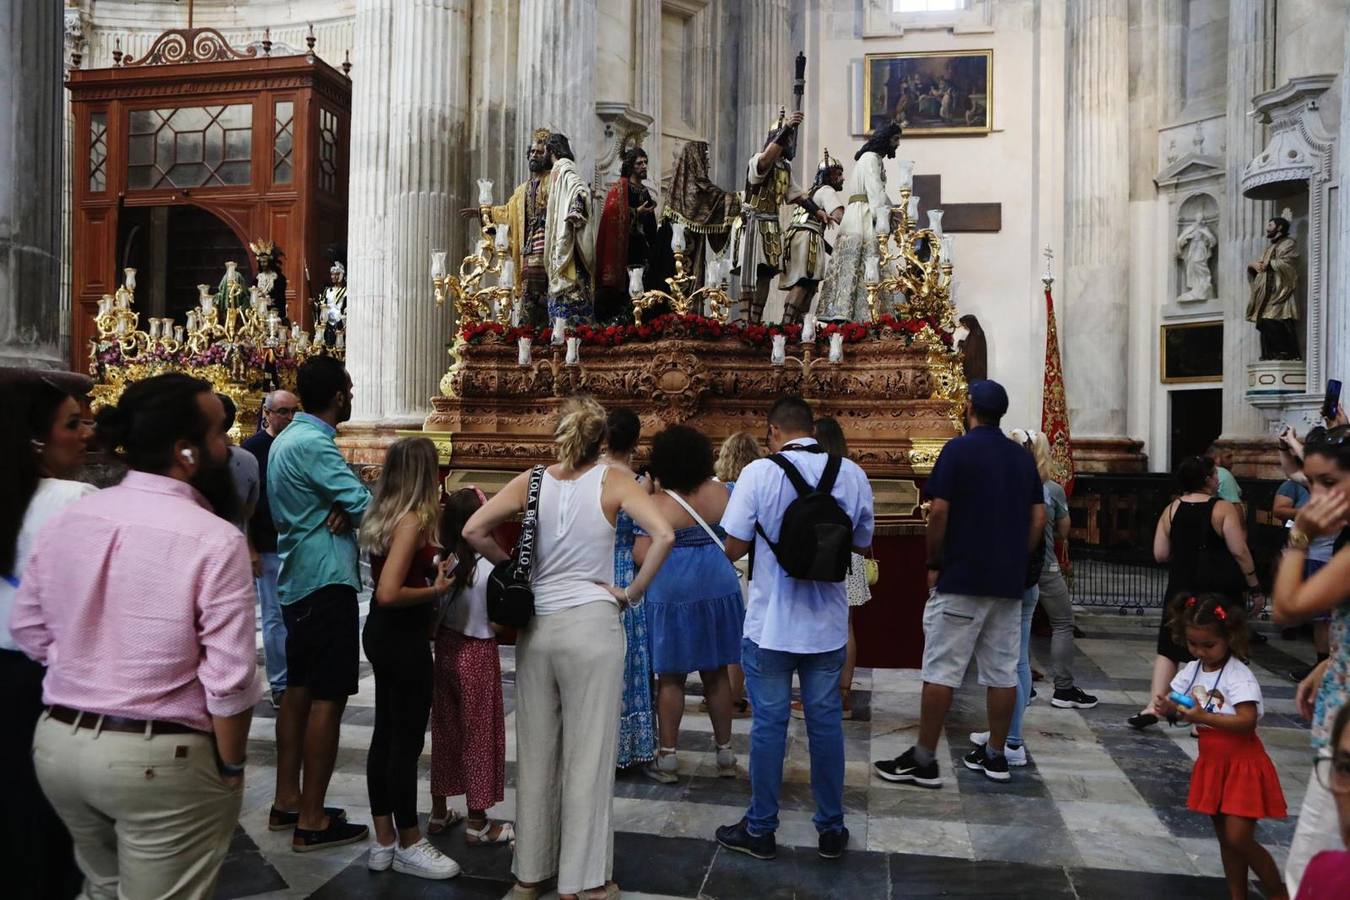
pixel 680 300
pixel 472 300
pixel 913 266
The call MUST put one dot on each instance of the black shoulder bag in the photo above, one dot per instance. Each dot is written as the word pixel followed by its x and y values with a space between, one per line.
pixel 510 599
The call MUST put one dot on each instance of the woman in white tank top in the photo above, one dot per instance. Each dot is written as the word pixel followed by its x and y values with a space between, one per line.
pixel 570 657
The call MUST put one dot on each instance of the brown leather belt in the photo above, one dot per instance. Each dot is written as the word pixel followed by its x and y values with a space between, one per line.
pixel 116 723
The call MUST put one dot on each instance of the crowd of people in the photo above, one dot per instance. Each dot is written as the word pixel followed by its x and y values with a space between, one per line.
pixel 131 667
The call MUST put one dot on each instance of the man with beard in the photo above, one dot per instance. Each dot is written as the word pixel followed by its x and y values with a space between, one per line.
pixel 1273 308
pixel 627 230
pixel 569 237
pixel 138 600
pixel 868 214
pixel 523 215
pixel 768 188
pixel 317 503
pixel 804 255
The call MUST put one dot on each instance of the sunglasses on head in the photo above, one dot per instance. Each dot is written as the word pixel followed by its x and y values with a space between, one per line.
pixel 1323 438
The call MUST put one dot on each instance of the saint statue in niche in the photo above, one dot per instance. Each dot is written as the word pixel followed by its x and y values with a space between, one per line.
pixel 1195 245
pixel 1273 308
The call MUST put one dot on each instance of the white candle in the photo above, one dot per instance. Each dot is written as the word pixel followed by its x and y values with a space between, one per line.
pixel 503 237
pixel 437 263
pixel 191 320
pixel 130 279
pixel 778 355
pixel 872 270
pixel 808 328
pixel 295 331
pixel 906 174
pixel 559 330
pixel 484 192
pixel 913 208
pixel 635 281
pixel 677 236
pixel 341 340
pixel 573 351
pixel 508 277
pixel 105 304
pixel 523 347
pixel 121 326
pixel 515 313
pixel 178 333
pixel 948 248
pixel 154 329
pixel 836 347
pixel 935 221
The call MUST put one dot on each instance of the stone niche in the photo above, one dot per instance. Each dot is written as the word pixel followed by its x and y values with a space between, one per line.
pixel 1192 184
pixel 1297 168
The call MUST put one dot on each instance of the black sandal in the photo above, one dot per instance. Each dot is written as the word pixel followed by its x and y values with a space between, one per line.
pixel 1140 721
pixel 281 819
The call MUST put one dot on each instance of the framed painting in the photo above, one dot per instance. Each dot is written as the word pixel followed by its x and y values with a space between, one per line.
pixel 1191 352
pixel 933 93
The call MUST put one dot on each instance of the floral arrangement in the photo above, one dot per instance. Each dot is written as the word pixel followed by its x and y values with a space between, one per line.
pixel 671 325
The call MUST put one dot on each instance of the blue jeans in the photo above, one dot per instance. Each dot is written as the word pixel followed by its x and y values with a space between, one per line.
pixel 768 680
pixel 1029 598
pixel 273 626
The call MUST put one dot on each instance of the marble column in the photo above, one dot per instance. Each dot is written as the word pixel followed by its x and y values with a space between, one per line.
pixel 33 325
pixel 1095 313
pixel 764 80
pixel 495 148
pixel 648 50
pixel 556 76
pixel 1251 70
pixel 1338 323
pixel 370 360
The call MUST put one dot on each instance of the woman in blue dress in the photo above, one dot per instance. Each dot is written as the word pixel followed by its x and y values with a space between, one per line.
pixel 637 724
pixel 693 604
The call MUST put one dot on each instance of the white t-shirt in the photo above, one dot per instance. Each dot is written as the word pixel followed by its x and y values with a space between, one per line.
pixel 468 612
pixel 52 496
pixel 1235 682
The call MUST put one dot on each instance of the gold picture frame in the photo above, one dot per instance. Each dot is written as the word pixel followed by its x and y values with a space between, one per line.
pixel 1194 361
pixel 934 93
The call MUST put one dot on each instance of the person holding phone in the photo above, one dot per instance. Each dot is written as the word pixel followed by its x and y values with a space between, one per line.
pixel 399 532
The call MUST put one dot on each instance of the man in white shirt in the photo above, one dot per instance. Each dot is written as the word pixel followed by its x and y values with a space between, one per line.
pixel 792 625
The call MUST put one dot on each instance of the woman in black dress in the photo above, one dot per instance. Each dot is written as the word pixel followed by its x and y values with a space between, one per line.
pixel 1203 542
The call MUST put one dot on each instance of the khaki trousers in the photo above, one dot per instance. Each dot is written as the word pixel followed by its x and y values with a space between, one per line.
pixel 569 684
pixel 150 816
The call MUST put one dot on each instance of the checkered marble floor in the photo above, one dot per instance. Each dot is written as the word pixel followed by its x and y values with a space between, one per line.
pixel 1099 811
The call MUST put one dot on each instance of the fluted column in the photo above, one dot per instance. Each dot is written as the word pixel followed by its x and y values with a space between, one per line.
pixel 369 291
pixel 1096 302
pixel 647 79
pixel 1338 324
pixel 32 321
pixel 556 76
pixel 765 74
pixel 1251 70
pixel 494 147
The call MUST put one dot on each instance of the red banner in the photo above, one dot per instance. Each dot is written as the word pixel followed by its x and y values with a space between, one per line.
pixel 1054 409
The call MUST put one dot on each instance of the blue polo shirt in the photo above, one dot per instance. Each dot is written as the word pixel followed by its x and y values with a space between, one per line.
pixel 990 484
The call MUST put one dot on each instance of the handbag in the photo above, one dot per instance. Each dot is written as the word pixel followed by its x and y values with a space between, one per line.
pixel 510 598
pixel 872 569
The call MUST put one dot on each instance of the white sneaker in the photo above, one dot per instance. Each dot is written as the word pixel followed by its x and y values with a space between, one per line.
pixel 726 762
pixel 381 857
pixel 1016 757
pixel 424 861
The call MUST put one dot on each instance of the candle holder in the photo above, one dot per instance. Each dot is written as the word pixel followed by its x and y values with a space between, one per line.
pixel 474 301
pixel 678 298
pixel 913 265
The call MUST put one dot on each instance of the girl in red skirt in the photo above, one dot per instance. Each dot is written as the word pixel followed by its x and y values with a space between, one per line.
pixel 1234 781
pixel 468 726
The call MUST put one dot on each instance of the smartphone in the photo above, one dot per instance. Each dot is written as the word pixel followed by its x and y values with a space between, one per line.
pixel 1331 404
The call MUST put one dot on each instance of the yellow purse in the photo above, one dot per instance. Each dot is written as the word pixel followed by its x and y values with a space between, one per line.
pixel 872 570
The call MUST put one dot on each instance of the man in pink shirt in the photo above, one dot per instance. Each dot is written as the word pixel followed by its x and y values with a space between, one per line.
pixel 139 602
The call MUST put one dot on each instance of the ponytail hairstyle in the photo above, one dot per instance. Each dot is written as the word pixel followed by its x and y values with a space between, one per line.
pixel 1210 610
pixel 152 416
pixel 580 432
pixel 409 483
pixel 461 505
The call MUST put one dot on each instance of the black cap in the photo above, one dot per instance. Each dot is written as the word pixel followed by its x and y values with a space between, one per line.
pixel 989 397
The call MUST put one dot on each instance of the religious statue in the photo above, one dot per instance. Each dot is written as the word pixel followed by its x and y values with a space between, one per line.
pixel 768 188
pixel 805 248
pixel 708 214
pixel 1273 307
pixel 270 283
pixel 524 215
pixel 868 214
pixel 973 347
pixel 1195 245
pixel 569 236
pixel 332 305
pixel 627 230
pixel 232 293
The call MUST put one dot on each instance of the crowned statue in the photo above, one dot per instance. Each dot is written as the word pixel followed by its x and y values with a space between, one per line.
pixel 332 305
pixel 270 283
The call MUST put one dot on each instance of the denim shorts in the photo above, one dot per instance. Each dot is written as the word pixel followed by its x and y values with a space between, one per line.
pixel 957 627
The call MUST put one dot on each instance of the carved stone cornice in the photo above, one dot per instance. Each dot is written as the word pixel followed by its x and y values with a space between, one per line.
pixel 1299 149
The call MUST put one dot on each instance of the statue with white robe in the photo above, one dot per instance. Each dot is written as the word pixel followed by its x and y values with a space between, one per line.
pixel 569 238
pixel 843 294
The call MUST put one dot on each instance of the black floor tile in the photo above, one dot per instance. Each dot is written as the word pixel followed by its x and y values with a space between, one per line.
pixel 647 863
pixel 245 872
pixel 798 872
pixel 1110 884
pixel 915 877
pixel 358 881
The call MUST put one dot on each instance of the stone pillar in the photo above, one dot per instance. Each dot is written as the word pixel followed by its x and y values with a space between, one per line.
pixel 764 82
pixel 369 291
pixel 647 51
pixel 33 325
pixel 495 148
pixel 556 77
pixel 1096 301
pixel 1338 324
pixel 1251 70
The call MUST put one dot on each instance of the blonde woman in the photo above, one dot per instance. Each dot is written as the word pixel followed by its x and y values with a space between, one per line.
pixel 570 656
pixel 399 532
pixel 737 451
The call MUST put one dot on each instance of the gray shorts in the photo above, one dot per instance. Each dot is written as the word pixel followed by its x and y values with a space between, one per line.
pixel 958 626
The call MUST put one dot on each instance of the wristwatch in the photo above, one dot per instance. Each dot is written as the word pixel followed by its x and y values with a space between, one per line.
pixel 1298 540
pixel 232 771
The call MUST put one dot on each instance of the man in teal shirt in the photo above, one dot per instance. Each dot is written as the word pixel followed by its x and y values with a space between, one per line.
pixel 1223 464
pixel 317 503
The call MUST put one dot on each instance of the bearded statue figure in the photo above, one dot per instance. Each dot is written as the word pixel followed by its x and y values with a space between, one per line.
pixel 1273 308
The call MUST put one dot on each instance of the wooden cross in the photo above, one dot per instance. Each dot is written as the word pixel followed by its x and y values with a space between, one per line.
pixel 956 217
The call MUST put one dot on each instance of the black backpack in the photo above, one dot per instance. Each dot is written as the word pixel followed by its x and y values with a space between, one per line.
pixel 815 541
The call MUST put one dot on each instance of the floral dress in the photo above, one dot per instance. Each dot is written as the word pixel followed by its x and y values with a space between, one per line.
pixel 637 724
